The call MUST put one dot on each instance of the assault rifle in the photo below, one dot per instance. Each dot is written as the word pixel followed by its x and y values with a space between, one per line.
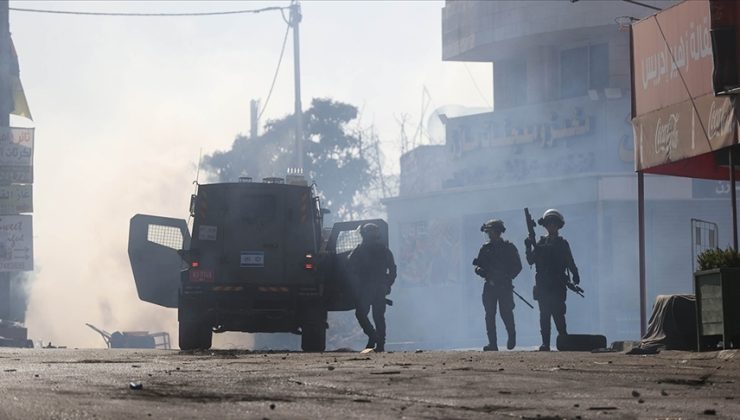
pixel 530 227
pixel 475 263
pixel 572 286
pixel 521 297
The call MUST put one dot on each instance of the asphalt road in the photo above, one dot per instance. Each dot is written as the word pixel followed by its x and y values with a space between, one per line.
pixel 83 384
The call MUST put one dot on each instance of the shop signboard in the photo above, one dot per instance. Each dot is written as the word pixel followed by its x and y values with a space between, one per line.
pixel 16 199
pixel 676 115
pixel 16 146
pixel 16 243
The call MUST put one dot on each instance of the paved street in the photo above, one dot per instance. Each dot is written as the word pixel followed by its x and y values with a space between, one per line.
pixel 80 384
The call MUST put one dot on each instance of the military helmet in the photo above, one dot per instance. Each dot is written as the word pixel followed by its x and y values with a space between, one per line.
pixel 493 224
pixel 370 230
pixel 551 214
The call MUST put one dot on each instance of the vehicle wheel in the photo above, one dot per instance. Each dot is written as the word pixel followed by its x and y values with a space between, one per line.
pixel 194 336
pixel 313 332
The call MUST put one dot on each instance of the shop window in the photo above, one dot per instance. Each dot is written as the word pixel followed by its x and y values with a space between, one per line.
pixel 510 83
pixel 574 72
pixel 598 66
pixel 583 68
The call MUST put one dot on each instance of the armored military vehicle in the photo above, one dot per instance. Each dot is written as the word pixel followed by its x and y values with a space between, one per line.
pixel 258 260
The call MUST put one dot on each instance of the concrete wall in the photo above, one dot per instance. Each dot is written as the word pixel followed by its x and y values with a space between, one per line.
pixel 471 29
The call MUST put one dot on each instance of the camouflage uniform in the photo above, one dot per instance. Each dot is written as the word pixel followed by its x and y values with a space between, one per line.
pixel 498 263
pixel 375 271
pixel 552 257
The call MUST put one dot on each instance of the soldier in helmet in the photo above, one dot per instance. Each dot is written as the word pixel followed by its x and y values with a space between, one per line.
pixel 553 260
pixel 498 263
pixel 375 271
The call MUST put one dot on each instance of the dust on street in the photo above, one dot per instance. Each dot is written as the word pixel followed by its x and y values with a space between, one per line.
pixel 68 383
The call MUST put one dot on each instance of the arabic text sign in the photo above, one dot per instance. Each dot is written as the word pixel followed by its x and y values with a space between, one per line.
pixel 16 146
pixel 701 188
pixel 16 174
pixel 485 134
pixel 16 199
pixel 16 243
pixel 670 48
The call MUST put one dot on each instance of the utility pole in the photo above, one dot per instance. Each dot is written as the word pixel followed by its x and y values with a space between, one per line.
pixel 254 123
pixel 295 20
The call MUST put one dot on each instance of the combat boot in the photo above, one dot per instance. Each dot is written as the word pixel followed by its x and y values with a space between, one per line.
pixel 545 342
pixel 511 342
pixel 370 343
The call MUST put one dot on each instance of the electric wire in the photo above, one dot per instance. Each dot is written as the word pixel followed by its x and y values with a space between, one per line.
pixel 277 71
pixel 132 14
pixel 472 79
pixel 190 14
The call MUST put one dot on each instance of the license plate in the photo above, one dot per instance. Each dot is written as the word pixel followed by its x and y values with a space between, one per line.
pixel 252 259
pixel 201 276
pixel 207 233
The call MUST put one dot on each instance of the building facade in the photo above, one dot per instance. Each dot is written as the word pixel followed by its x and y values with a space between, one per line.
pixel 560 136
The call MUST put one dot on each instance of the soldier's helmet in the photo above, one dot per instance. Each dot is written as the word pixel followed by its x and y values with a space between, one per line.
pixel 552 214
pixel 493 224
pixel 370 231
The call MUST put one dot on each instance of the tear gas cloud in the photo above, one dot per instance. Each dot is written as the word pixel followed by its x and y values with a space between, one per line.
pixel 123 107
pixel 123 115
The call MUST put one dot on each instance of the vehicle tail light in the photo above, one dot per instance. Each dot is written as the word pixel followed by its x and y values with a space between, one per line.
pixel 195 264
pixel 308 264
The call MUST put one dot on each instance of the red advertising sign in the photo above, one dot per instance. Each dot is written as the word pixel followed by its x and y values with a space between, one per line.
pixel 676 113
pixel 672 56
pixel 684 130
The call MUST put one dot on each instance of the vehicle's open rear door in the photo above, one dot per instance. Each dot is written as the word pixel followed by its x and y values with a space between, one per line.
pixel 344 237
pixel 153 242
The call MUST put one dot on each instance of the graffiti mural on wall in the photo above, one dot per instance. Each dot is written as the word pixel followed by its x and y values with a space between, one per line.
pixel 430 252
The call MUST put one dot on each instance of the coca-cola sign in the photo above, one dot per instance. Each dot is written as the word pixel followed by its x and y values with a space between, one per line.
pixel 666 134
pixel 682 131
pixel 720 119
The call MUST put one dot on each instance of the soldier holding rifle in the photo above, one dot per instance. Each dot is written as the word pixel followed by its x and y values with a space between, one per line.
pixel 498 263
pixel 553 260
